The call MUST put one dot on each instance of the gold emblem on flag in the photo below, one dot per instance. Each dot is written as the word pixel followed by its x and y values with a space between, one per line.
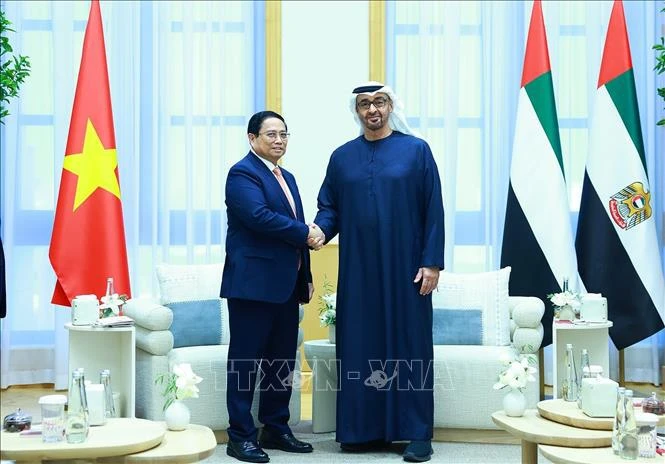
pixel 630 206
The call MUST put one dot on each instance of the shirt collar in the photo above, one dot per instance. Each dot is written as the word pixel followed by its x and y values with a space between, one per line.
pixel 268 164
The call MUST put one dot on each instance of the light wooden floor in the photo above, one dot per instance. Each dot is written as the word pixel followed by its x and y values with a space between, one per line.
pixel 27 397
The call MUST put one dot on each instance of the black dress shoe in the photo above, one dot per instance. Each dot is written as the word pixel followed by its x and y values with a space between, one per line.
pixel 284 442
pixel 364 447
pixel 248 451
pixel 418 451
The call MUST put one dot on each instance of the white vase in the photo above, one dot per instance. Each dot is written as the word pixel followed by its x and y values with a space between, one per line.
pixel 331 333
pixel 514 403
pixel 177 416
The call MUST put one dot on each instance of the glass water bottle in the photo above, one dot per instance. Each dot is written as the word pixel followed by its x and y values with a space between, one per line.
pixel 109 404
pixel 571 390
pixel 628 435
pixel 77 425
pixel 619 419
pixel 585 371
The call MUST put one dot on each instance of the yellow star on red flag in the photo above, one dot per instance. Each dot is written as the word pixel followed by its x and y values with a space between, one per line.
pixel 95 167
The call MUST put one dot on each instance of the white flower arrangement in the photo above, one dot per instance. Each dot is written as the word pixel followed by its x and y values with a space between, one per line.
pixel 327 309
pixel 180 384
pixel 567 298
pixel 518 372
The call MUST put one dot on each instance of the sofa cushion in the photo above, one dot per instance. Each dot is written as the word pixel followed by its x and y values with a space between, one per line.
pixel 196 322
pixel 457 326
pixel 487 291
pixel 189 282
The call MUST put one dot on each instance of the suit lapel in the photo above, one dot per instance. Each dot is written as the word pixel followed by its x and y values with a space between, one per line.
pixel 272 183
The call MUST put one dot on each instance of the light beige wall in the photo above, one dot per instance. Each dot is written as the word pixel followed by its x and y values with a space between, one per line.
pixel 325 53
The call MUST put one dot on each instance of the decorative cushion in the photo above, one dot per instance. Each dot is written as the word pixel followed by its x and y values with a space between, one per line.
pixel 189 282
pixel 457 326
pixel 196 322
pixel 484 291
pixel 527 311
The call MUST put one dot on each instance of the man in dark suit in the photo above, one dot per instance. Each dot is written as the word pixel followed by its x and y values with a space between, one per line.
pixel 266 275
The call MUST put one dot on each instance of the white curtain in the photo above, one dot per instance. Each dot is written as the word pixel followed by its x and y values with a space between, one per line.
pixel 183 80
pixel 457 66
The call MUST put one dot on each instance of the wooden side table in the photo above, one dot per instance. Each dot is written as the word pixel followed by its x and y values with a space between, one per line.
pixel 566 455
pixel 532 429
pixel 97 348
pixel 195 443
pixel 118 437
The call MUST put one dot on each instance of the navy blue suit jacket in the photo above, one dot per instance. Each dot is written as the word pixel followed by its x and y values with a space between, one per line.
pixel 264 240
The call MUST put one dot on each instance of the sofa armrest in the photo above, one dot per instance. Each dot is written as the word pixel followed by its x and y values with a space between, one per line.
pixel 148 313
pixel 526 328
pixel 152 325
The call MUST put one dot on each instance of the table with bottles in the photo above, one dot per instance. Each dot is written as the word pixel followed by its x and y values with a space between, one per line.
pixel 99 348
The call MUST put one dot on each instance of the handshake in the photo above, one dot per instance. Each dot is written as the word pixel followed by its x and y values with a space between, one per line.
pixel 316 238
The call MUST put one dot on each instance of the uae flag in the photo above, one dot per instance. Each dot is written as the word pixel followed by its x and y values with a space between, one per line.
pixel 616 243
pixel 537 236
pixel 88 241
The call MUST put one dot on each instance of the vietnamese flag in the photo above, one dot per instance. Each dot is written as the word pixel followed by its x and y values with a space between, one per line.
pixel 88 241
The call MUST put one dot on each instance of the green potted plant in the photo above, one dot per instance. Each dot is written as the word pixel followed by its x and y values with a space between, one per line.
pixel 660 67
pixel 13 69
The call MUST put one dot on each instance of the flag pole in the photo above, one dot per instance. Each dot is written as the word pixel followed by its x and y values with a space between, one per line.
pixel 541 372
pixel 622 369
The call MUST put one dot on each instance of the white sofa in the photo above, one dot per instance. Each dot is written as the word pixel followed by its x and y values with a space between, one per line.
pixel 155 353
pixel 465 374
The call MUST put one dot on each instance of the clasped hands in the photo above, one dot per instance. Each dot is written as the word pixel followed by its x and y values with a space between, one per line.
pixel 316 238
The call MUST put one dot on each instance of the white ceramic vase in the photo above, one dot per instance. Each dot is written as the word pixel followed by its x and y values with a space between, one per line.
pixel 514 403
pixel 177 416
pixel 331 333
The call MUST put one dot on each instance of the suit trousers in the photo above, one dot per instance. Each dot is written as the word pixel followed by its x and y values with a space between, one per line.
pixel 264 339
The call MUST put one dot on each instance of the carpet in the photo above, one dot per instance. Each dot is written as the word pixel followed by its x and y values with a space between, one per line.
pixel 326 451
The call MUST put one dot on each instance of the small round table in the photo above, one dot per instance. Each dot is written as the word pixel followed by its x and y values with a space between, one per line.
pixel 566 455
pixel 321 357
pixel 118 437
pixel 533 429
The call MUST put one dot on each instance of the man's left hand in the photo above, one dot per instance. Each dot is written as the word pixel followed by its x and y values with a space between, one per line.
pixel 311 291
pixel 430 278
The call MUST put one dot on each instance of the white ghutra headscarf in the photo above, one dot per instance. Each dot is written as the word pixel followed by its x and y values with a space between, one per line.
pixel 396 120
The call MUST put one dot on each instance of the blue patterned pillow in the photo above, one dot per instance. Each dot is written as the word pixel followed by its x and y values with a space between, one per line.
pixel 196 323
pixel 457 326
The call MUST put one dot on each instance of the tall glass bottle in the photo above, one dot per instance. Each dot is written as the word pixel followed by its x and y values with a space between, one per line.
pixel 628 435
pixel 585 371
pixel 570 390
pixel 109 405
pixel 619 419
pixel 77 425
pixel 109 288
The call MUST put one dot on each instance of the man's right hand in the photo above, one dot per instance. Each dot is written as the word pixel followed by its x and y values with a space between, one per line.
pixel 316 238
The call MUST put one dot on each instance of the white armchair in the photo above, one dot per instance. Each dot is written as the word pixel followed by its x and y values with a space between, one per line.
pixel 155 353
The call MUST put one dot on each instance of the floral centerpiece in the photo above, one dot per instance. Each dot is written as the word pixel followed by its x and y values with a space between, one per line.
pixel 179 384
pixel 566 304
pixel 518 371
pixel 327 308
